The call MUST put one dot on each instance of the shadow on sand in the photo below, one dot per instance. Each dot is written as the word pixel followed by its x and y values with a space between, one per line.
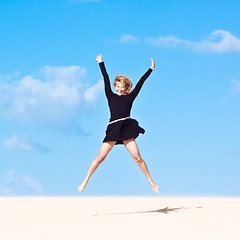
pixel 166 210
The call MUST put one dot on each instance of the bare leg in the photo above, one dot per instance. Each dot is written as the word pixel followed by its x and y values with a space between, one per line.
pixel 134 151
pixel 104 150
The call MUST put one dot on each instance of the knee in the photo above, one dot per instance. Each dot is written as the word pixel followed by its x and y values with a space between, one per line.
pixel 100 159
pixel 138 159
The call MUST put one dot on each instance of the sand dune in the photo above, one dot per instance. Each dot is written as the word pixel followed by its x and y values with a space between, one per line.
pixel 78 218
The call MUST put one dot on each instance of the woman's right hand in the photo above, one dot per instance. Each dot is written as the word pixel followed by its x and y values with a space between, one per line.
pixel 99 58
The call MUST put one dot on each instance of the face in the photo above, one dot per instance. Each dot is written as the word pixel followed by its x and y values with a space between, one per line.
pixel 120 89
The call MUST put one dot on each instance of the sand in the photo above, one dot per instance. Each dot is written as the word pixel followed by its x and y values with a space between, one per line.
pixel 80 218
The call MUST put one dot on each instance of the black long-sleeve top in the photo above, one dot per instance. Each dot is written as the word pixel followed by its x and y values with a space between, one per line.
pixel 120 106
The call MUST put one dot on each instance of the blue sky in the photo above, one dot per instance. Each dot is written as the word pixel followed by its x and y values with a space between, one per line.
pixel 53 111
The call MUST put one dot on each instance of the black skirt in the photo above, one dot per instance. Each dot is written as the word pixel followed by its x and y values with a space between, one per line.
pixel 123 130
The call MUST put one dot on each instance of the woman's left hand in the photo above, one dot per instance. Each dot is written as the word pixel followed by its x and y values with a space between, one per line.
pixel 153 64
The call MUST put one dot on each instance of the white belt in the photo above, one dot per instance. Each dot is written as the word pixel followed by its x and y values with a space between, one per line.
pixel 120 119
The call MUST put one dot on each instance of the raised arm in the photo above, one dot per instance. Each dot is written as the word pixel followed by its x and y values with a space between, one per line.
pixel 108 90
pixel 138 87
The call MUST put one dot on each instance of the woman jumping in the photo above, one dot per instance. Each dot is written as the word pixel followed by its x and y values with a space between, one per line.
pixel 121 129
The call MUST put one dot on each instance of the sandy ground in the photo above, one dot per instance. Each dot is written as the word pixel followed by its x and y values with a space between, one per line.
pixel 70 218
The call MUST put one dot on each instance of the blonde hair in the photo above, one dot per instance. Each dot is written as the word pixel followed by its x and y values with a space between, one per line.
pixel 126 82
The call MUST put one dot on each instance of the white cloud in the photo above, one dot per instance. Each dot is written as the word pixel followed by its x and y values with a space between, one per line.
pixel 127 38
pixel 13 184
pixel 22 144
pixel 235 87
pixel 219 41
pixel 91 93
pixel 56 96
pixel 7 77
pixel 169 41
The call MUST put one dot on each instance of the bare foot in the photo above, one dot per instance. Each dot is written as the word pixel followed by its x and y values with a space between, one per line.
pixel 81 187
pixel 154 187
